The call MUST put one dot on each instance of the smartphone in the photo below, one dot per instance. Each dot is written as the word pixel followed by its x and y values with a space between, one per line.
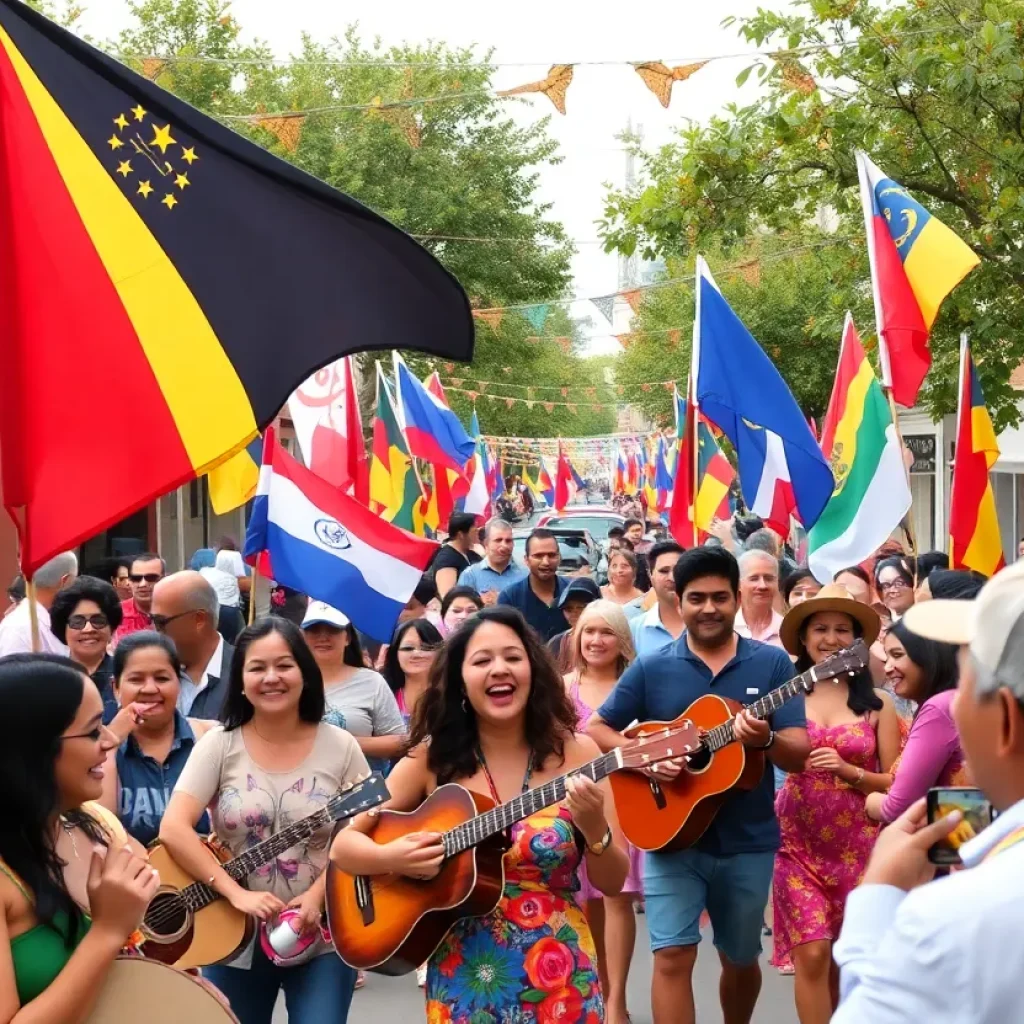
pixel 977 815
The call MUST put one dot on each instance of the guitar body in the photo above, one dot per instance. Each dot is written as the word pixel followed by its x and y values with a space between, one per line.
pixel 391 924
pixel 186 939
pixel 673 815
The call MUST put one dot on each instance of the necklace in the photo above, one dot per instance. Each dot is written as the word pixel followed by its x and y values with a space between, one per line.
pixel 69 830
pixel 274 743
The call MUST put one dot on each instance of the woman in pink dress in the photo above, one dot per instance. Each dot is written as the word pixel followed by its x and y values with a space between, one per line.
pixel 602 650
pixel 826 834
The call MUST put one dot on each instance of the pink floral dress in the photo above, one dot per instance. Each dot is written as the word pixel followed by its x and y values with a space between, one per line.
pixel 826 840
pixel 532 960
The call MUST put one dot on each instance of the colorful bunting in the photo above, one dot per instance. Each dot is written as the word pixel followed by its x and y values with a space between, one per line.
pixel 794 75
pixel 286 128
pixel 153 67
pixel 625 340
pixel 491 317
pixel 660 78
pixel 554 86
pixel 635 298
pixel 537 315
pixel 565 344
pixel 605 305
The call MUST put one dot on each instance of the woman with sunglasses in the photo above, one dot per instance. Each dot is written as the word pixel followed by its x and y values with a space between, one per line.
pixel 84 616
pixel 72 890
pixel 142 771
pixel 408 663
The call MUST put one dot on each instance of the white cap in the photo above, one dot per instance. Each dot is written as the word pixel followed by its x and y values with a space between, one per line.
pixel 321 613
pixel 992 624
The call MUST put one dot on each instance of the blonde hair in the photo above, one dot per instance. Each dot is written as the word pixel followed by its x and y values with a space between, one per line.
pixel 615 617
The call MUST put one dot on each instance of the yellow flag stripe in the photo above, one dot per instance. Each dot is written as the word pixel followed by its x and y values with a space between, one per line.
pixel 203 392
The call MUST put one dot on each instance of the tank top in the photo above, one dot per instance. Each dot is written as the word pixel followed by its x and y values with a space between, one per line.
pixel 40 954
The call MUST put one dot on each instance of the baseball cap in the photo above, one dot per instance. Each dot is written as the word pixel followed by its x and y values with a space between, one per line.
pixel 992 625
pixel 319 613
pixel 580 589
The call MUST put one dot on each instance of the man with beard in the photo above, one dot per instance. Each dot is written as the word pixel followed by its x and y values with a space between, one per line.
pixel 729 869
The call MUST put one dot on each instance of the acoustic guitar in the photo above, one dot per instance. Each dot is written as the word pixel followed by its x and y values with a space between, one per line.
pixel 390 924
pixel 673 814
pixel 137 988
pixel 188 923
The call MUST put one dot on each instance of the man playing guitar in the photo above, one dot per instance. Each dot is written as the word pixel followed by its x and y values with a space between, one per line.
pixel 728 870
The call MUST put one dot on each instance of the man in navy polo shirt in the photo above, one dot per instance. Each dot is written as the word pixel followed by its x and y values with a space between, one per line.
pixel 729 869
pixel 538 594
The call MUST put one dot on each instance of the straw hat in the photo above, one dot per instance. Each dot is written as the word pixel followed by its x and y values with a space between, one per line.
pixel 833 597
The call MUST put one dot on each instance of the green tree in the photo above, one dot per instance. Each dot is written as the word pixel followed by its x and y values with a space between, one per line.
pixel 472 175
pixel 933 90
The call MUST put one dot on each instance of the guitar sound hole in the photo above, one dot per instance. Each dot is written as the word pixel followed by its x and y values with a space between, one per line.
pixel 166 916
pixel 698 761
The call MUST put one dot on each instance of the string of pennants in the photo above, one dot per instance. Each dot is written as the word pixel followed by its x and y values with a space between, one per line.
pixel 590 391
pixel 545 404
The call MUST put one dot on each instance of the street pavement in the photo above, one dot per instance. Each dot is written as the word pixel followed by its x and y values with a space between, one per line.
pixel 386 1000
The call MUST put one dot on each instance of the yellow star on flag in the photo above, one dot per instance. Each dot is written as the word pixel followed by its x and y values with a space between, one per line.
pixel 115 142
pixel 169 201
pixel 144 189
pixel 124 168
pixel 162 137
pixel 138 112
pixel 121 121
pixel 182 180
pixel 189 155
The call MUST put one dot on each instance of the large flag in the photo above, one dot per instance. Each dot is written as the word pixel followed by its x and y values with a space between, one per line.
pixel 781 468
pixel 394 490
pixel 326 544
pixel 233 482
pixel 974 539
pixel 449 487
pixel 478 500
pixel 621 473
pixel 146 250
pixel 871 494
pixel 432 430
pixel 546 483
pixel 916 261
pixel 565 487
pixel 325 413
pixel 663 476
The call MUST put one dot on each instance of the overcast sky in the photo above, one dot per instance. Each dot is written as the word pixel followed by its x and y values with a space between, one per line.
pixel 538 33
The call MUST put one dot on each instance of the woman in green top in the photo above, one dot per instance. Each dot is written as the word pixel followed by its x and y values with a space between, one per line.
pixel 71 890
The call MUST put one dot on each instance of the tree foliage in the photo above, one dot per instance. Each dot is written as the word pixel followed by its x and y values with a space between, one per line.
pixel 933 90
pixel 473 174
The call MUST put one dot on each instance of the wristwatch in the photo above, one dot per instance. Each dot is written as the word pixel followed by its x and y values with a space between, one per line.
pixel 602 844
pixel 771 740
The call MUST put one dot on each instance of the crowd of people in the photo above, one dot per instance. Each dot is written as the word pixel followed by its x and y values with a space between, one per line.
pixel 152 712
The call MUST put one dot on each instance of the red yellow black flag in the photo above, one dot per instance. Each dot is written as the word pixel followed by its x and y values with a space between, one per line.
pixel 165 285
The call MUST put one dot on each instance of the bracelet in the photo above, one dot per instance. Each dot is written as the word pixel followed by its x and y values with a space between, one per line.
pixel 857 781
pixel 602 844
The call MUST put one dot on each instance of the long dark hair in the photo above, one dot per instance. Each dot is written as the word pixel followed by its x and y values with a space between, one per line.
pixel 447 719
pixel 128 645
pixel 936 660
pixel 237 710
pixel 39 697
pixel 429 636
pixel 861 697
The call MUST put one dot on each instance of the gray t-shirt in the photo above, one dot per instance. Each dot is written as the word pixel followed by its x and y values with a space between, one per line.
pixel 364 705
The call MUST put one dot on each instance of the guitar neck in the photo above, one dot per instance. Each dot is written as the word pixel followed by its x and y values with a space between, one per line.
pixel 722 735
pixel 498 819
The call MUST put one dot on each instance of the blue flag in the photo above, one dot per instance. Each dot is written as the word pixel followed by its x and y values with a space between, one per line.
pixel 781 468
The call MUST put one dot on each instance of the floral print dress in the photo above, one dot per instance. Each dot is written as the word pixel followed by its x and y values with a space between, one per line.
pixel 531 960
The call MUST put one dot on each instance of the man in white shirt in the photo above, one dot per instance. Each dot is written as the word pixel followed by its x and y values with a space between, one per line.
pixel 16 628
pixel 952 951
pixel 759 589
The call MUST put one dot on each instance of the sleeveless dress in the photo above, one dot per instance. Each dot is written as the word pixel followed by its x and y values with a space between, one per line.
pixel 634 883
pixel 532 959
pixel 826 840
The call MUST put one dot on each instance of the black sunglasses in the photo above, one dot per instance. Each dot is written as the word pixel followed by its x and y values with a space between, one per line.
pixel 97 621
pixel 161 622
pixel 149 577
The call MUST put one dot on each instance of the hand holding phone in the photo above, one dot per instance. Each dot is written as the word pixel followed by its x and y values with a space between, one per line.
pixel 976 814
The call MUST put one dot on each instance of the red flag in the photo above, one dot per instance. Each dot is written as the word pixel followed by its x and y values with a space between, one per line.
pixel 680 515
pixel 565 488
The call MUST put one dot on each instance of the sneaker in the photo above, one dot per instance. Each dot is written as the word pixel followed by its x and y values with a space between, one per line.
pixel 421 976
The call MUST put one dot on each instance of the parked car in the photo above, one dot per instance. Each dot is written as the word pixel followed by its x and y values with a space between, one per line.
pixel 576 546
pixel 595 519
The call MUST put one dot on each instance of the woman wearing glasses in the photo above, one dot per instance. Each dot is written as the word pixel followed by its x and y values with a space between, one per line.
pixel 72 891
pixel 408 663
pixel 84 616
pixel 895 585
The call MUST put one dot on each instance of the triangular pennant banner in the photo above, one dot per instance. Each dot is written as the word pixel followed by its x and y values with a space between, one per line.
pixel 286 128
pixel 673 337
pixel 491 317
pixel 564 343
pixel 605 305
pixel 153 68
pixel 537 315
pixel 660 78
pixel 554 86
pixel 625 340
pixel 548 406
pixel 634 297
pixel 794 75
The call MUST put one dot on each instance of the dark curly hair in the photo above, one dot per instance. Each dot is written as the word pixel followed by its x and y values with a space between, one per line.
pixel 85 588
pixel 450 724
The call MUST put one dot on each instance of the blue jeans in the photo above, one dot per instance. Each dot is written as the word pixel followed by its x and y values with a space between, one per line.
pixel 734 889
pixel 317 991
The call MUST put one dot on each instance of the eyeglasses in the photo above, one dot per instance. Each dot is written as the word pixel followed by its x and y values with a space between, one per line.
pixel 97 621
pixel 95 734
pixel 417 650
pixel 892 585
pixel 161 622
pixel 149 577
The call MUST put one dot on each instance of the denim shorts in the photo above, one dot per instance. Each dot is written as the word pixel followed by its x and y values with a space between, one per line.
pixel 733 890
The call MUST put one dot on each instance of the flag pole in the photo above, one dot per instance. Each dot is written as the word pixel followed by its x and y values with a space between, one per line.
pixel 33 613
pixel 255 579
pixel 908 527
pixel 692 410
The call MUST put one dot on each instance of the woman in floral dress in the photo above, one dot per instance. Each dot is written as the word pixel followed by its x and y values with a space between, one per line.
pixel 500 722
pixel 826 834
